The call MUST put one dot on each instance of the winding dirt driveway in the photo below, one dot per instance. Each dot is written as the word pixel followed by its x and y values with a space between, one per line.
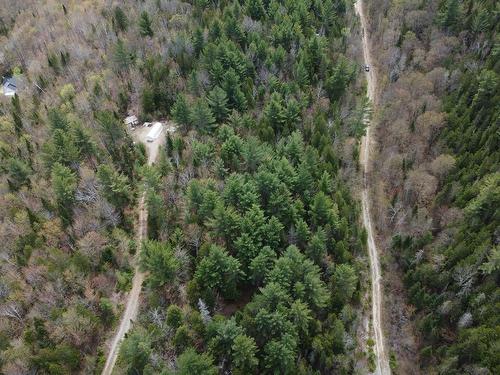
pixel 381 358
pixel 132 306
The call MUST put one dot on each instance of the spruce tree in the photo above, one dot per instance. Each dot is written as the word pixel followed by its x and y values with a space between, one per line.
pixel 217 100
pixel 19 173
pixel 64 183
pixel 201 116
pixel 255 9
pixel 181 112
pixel 147 101
pixel 17 114
pixel 198 41
pixel 159 260
pixel 120 19
pixel 449 14
pixel 121 56
pixel 115 187
pixel 145 25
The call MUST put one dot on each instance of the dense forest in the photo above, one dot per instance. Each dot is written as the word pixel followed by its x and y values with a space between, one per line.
pixel 254 249
pixel 255 259
pixel 438 178
pixel 253 234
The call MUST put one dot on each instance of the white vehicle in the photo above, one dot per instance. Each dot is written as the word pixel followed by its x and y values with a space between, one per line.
pixel 155 132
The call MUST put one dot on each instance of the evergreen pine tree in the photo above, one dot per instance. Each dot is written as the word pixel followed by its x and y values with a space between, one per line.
pixel 217 100
pixel 114 186
pixel 147 101
pixel 145 25
pixel 181 112
pixel 255 9
pixel 201 116
pixel 120 19
pixel 198 41
pixel 121 56
pixel 19 173
pixel 449 14
pixel 17 114
pixel 64 183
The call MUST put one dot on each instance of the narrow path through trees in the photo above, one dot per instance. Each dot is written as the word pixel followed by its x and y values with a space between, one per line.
pixel 381 358
pixel 132 305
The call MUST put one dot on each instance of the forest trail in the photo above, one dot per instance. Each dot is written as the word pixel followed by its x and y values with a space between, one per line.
pixel 381 358
pixel 132 306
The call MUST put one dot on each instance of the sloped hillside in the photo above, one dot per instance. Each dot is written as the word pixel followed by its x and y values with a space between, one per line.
pixel 254 238
pixel 439 173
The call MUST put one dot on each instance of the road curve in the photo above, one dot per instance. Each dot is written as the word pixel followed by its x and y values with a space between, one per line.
pixel 381 358
pixel 132 305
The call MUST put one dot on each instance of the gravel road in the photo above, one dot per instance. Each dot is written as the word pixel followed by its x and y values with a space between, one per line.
pixel 132 305
pixel 381 356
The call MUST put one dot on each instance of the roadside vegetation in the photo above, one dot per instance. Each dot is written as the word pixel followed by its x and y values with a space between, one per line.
pixel 438 174
pixel 253 234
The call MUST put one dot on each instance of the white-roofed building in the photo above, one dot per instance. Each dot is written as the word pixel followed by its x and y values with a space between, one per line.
pixel 9 86
pixel 131 121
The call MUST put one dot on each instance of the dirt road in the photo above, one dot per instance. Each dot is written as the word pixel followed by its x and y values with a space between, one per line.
pixel 132 306
pixel 381 357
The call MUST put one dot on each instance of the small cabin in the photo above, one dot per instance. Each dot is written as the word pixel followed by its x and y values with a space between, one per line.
pixel 131 121
pixel 9 86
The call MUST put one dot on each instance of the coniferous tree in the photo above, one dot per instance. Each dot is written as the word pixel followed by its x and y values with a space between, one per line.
pixel 280 354
pixel 121 56
pixel 61 148
pixel 191 362
pixel 231 85
pixel 344 282
pixel 201 117
pixel 83 142
pixel 115 186
pixel 174 316
pixel 58 120
pixel 215 31
pixel 145 25
pixel 449 14
pixel 120 19
pixel 17 114
pixel 317 247
pixel 217 100
pixel 159 260
pixel 19 173
pixel 301 74
pixel 198 41
pixel 219 272
pixel 255 9
pixel 181 112
pixel 64 183
pixel 135 351
pixel 147 101
pixel 275 114
pixel 261 265
pixel 244 351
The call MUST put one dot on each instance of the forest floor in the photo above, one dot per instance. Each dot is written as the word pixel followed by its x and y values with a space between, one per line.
pixel 380 352
pixel 132 305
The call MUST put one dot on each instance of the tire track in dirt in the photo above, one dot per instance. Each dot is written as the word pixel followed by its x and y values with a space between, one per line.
pixel 132 305
pixel 381 358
